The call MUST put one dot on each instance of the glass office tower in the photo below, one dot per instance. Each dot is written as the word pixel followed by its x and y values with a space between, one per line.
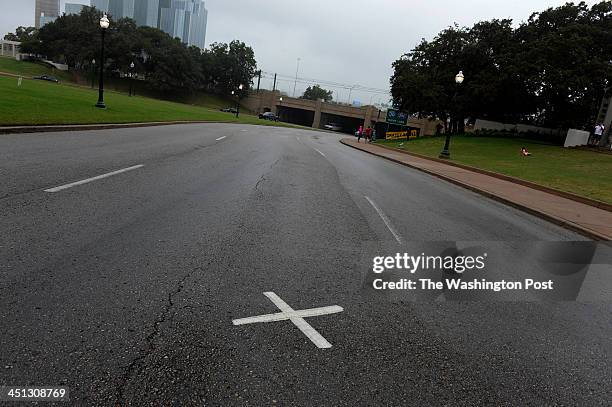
pixel 73 8
pixel 116 8
pixel 45 11
pixel 146 12
pixel 185 19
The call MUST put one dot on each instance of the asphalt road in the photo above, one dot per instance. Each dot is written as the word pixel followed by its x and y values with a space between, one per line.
pixel 124 289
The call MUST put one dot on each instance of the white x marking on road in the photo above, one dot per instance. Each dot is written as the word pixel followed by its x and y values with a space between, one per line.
pixel 297 317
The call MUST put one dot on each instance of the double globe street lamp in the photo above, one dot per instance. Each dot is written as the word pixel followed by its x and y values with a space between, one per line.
pixel 104 23
pixel 458 81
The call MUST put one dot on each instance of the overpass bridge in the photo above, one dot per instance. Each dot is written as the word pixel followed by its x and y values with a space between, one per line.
pixel 318 113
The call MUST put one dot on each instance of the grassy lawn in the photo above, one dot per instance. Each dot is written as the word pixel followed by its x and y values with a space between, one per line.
pixel 30 69
pixel 40 103
pixel 581 172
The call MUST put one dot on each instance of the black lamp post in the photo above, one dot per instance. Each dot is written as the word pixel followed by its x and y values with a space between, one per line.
pixel 458 81
pixel 131 73
pixel 104 23
pixel 238 100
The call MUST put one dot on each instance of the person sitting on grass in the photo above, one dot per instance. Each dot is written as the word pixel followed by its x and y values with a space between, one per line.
pixel 525 152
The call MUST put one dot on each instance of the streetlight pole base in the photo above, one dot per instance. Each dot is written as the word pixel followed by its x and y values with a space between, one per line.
pixel 445 154
pixel 101 105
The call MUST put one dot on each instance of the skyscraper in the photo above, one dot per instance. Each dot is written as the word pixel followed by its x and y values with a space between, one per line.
pixel 185 19
pixel 45 11
pixel 116 8
pixel 146 12
pixel 100 5
pixel 73 8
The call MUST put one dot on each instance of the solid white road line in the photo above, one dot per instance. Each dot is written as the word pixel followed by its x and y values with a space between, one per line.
pixel 318 151
pixel 220 138
pixel 88 180
pixel 386 220
pixel 297 317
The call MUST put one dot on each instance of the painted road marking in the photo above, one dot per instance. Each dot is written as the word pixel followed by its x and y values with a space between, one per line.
pixel 298 139
pixel 386 220
pixel 297 317
pixel 318 151
pixel 88 180
pixel 221 138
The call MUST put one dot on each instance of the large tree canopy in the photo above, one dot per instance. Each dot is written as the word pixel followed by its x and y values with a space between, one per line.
pixel 316 92
pixel 165 62
pixel 551 70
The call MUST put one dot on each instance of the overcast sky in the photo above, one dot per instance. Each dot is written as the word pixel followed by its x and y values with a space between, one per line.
pixel 342 41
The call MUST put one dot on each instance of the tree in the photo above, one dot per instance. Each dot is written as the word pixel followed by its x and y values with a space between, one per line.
pixel 21 34
pixel 316 92
pixel 551 70
pixel 167 64
pixel 227 66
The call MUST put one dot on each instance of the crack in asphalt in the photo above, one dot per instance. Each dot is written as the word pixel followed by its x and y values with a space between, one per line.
pixel 263 177
pixel 135 367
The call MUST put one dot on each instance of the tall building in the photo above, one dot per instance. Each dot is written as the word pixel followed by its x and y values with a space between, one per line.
pixel 116 8
pixel 73 8
pixel 45 11
pixel 146 12
pixel 185 19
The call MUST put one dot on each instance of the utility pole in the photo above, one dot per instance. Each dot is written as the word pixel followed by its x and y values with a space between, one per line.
pixel 274 87
pixel 296 75
pixel 258 80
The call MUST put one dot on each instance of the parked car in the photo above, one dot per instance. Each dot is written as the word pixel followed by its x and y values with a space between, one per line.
pixel 333 127
pixel 47 78
pixel 229 110
pixel 269 116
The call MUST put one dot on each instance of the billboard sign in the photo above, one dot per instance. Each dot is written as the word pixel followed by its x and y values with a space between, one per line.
pixel 397 117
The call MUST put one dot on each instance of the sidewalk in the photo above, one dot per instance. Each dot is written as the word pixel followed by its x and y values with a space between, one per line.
pixel 591 221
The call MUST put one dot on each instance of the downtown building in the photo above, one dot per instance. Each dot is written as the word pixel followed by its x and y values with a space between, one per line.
pixel 45 11
pixel 184 19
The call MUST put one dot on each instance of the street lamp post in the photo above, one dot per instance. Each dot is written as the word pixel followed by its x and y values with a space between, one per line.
pixel 238 100
pixel 279 107
pixel 93 72
pixel 458 81
pixel 131 73
pixel 104 23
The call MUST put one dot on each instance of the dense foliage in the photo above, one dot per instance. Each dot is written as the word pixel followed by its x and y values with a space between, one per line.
pixel 165 62
pixel 551 70
pixel 316 92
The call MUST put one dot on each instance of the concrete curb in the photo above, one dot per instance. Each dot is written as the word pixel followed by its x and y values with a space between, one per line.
pixel 553 219
pixel 86 127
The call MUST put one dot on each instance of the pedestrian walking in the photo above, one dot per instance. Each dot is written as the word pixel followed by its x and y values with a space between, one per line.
pixel 368 136
pixel 597 133
pixel 359 133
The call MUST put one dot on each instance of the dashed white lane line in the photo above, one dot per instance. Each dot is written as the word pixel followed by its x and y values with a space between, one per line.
pixel 386 220
pixel 88 180
pixel 319 151
pixel 220 138
pixel 298 139
pixel 297 317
